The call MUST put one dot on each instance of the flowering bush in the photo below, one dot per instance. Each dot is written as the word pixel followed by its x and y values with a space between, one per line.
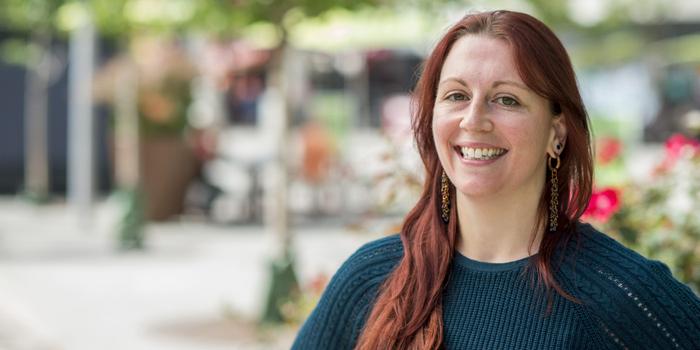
pixel 604 203
pixel 609 150
pixel 659 217
pixel 164 73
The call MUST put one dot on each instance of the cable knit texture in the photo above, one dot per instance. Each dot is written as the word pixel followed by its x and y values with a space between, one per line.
pixel 627 301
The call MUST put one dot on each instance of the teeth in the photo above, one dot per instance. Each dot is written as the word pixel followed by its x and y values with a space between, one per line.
pixel 481 153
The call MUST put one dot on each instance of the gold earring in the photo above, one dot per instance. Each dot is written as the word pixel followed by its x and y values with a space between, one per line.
pixel 554 191
pixel 445 203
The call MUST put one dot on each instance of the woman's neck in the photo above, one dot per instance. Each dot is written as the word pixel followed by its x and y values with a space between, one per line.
pixel 498 228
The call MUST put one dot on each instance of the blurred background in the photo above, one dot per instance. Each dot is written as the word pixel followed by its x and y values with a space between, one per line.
pixel 179 174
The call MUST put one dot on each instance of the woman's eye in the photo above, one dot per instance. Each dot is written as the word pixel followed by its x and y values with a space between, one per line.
pixel 507 101
pixel 457 97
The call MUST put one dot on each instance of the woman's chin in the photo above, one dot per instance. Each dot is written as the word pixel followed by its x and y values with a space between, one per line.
pixel 478 190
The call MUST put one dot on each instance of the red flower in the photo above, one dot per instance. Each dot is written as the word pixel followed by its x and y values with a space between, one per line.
pixel 609 149
pixel 603 204
pixel 676 146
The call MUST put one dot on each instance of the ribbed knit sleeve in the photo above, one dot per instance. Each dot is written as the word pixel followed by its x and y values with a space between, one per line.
pixel 344 306
pixel 628 301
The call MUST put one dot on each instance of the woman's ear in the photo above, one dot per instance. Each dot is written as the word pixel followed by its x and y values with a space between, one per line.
pixel 557 136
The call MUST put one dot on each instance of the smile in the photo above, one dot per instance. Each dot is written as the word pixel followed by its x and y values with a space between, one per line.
pixel 470 153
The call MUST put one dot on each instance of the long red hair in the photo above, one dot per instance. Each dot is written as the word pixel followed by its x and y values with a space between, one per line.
pixel 407 313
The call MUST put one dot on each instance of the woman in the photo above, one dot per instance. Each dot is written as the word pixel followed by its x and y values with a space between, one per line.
pixel 493 255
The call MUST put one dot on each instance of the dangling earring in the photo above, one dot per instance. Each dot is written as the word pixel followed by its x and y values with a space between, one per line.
pixel 445 203
pixel 554 190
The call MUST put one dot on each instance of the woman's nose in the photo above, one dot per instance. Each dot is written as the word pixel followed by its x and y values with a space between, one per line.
pixel 476 118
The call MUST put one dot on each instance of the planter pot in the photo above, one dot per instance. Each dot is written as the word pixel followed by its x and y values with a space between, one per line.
pixel 167 167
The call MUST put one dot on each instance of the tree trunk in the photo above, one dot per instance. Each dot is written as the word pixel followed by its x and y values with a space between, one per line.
pixel 36 165
pixel 283 285
pixel 130 229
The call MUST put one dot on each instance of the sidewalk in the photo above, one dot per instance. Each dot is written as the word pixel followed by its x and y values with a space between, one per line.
pixel 196 286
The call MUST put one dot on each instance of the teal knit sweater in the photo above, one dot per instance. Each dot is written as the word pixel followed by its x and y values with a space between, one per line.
pixel 628 301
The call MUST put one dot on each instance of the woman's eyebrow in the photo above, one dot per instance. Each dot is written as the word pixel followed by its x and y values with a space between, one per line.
pixel 510 82
pixel 495 84
pixel 457 80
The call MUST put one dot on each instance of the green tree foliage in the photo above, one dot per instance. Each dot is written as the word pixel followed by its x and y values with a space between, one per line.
pixel 121 17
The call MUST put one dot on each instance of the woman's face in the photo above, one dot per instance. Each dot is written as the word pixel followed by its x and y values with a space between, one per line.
pixel 492 133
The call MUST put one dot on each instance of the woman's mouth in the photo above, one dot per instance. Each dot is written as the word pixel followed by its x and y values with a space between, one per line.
pixel 469 153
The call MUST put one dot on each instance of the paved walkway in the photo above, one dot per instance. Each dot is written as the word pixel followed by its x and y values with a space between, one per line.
pixel 196 286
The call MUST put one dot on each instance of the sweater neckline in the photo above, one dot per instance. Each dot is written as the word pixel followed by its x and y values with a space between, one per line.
pixel 472 264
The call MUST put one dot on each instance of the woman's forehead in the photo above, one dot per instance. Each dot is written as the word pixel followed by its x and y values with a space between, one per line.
pixel 480 58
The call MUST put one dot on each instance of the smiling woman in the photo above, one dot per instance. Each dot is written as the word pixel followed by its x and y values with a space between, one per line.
pixel 491 131
pixel 493 255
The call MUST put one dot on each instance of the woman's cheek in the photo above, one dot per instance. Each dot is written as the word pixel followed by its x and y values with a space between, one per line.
pixel 441 135
pixel 440 130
